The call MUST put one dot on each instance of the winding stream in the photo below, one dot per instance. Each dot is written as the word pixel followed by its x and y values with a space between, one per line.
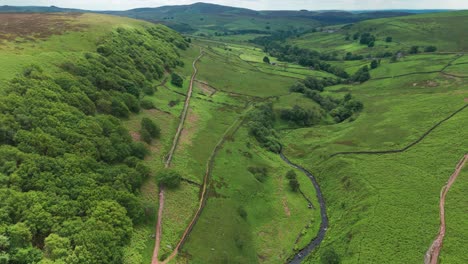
pixel 323 214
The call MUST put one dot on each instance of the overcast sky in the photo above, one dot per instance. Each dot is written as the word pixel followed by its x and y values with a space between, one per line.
pixel 253 4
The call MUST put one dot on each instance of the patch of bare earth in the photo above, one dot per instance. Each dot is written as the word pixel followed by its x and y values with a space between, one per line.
pixel 189 131
pixel 31 26
pixel 205 88
pixel 135 136
pixel 432 254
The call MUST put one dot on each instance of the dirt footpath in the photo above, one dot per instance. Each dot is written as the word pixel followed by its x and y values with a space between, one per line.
pixel 432 255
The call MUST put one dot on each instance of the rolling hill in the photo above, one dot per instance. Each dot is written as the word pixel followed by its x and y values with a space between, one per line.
pixel 445 30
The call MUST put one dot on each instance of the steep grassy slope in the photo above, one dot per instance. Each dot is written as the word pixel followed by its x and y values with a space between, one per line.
pixel 384 208
pixel 70 171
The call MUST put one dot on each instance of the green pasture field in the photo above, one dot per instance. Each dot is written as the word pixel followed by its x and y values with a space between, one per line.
pixel 412 64
pixel 386 201
pixel 275 215
pixel 205 125
pixel 231 74
pixel 458 70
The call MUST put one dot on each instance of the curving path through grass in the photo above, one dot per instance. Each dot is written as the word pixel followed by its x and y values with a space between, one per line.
pixel 323 214
pixel 170 155
pixel 432 255
pixel 204 194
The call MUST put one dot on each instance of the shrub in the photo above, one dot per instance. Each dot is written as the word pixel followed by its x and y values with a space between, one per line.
pixel 414 50
pixel 389 39
pixel 330 257
pixel 177 80
pixel 169 178
pixel 147 104
pixel 152 128
pixel 374 64
pixel 242 212
pixel 145 136
pixel 291 175
pixel 260 173
pixel 266 60
pixel 430 49
pixel 294 185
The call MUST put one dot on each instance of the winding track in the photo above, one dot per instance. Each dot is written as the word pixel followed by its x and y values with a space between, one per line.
pixel 323 214
pixel 204 194
pixel 432 255
pixel 170 155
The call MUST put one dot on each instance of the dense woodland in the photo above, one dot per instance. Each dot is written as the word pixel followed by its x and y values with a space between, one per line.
pixel 69 171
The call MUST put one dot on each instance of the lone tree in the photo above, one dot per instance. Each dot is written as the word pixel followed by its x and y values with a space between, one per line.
pixel 266 60
pixel 177 80
pixel 389 39
pixel 374 64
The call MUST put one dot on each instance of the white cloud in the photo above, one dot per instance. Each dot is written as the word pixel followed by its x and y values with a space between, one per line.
pixel 253 4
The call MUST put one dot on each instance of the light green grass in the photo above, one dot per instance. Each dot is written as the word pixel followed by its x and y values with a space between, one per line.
pixel 384 208
pixel 268 233
pixel 231 74
pixel 456 235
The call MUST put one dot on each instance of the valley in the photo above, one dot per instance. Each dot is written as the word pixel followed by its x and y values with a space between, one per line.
pixel 246 137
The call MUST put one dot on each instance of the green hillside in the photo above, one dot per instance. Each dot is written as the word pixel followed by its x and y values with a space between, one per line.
pixel 446 31
pixel 216 20
pixel 247 140
pixel 70 173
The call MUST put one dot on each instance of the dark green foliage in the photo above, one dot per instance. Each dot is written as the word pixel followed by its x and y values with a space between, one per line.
pixel 303 57
pixel 367 39
pixel 291 175
pixel 430 49
pixel 356 36
pixel 302 117
pixel 350 57
pixel 149 90
pixel 362 75
pixel 151 127
pixel 329 256
pixel 266 60
pixel 339 109
pixel 260 125
pixel 177 80
pixel 169 178
pixel 242 212
pixel 346 109
pixel 147 104
pixel 414 50
pixel 374 64
pixel 260 173
pixel 69 171
pixel 293 183
pixel 389 39
pixel 297 88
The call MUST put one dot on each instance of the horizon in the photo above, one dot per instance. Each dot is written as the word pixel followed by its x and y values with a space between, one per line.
pixel 128 6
